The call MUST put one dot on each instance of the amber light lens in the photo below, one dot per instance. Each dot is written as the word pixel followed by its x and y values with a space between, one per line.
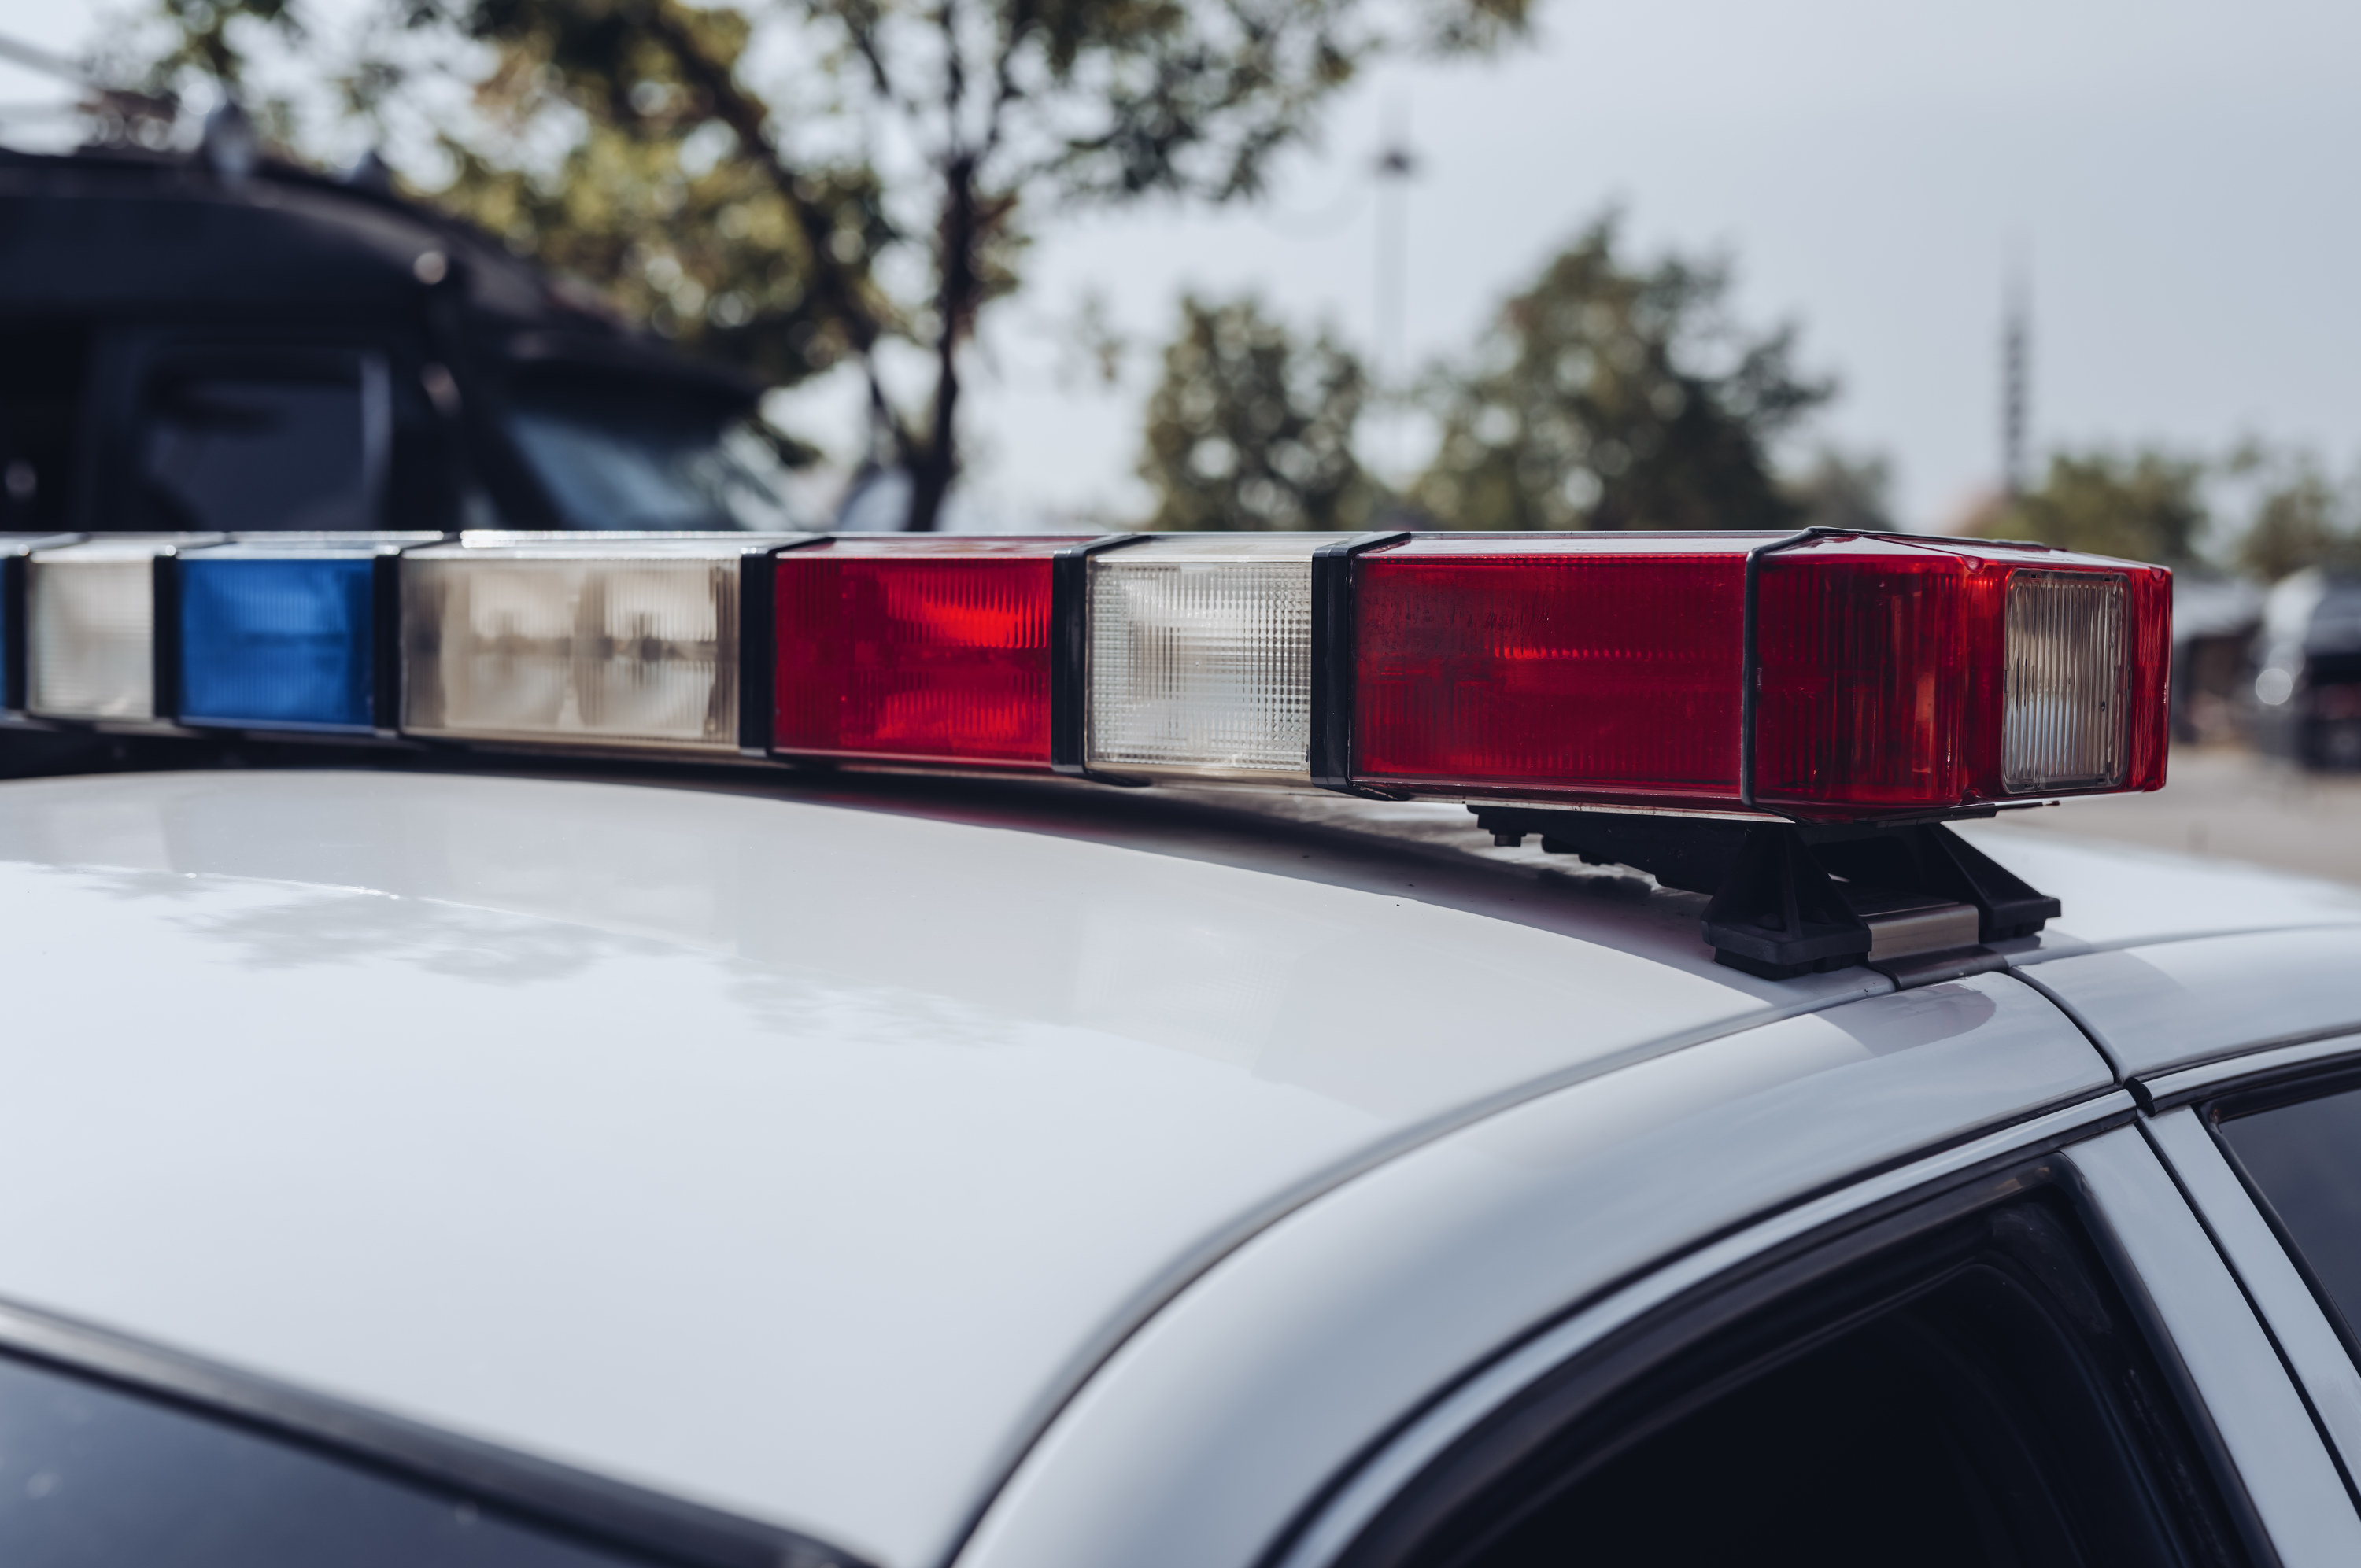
pixel 919 651
pixel 1601 667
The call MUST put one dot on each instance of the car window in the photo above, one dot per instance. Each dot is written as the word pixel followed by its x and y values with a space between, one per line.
pixel 613 458
pixel 294 443
pixel 2301 1157
pixel 1979 1397
pixel 93 1475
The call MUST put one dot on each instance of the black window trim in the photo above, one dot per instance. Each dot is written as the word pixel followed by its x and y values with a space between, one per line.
pixel 1661 1332
pixel 2259 1070
pixel 2254 1093
pixel 559 1498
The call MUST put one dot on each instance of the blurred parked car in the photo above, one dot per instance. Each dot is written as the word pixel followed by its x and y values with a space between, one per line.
pixel 2308 683
pixel 218 342
pixel 2214 625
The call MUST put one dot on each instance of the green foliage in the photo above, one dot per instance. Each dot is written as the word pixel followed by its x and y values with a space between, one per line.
pixel 1838 491
pixel 2144 506
pixel 1251 428
pixel 1619 396
pixel 2301 519
pixel 649 208
pixel 865 189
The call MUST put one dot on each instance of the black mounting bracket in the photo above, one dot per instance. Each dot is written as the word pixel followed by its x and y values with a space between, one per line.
pixel 1789 898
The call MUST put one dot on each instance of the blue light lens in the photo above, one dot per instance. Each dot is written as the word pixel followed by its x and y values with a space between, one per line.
pixel 275 643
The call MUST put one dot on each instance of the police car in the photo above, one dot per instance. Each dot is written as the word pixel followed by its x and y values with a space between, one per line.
pixel 1234 1052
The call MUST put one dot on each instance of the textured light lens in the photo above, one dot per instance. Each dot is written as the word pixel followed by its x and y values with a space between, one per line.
pixel 1200 657
pixel 551 645
pixel 1892 675
pixel 272 641
pixel 90 613
pixel 916 650
pixel 2064 721
pixel 1603 663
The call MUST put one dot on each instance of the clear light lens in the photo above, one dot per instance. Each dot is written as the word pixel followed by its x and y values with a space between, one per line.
pixel 2064 725
pixel 639 650
pixel 273 641
pixel 90 613
pixel 1201 658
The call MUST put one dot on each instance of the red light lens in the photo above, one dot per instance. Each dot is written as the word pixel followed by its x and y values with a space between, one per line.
pixel 1605 667
pixel 1878 671
pixel 1608 669
pixel 1885 682
pixel 914 649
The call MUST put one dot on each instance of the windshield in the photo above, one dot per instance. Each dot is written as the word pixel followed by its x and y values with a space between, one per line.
pixel 634 459
pixel 93 1475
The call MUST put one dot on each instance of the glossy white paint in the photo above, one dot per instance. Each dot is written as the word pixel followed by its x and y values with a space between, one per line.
pixel 1376 1479
pixel 786 1156
pixel 1258 1386
pixel 2169 1004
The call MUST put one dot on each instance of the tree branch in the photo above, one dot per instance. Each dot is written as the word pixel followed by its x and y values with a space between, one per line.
pixel 747 119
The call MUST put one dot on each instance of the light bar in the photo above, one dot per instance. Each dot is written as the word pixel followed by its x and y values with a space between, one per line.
pixel 90 628
pixel 1200 657
pixel 1821 676
pixel 581 641
pixel 1895 677
pixel 289 632
pixel 916 650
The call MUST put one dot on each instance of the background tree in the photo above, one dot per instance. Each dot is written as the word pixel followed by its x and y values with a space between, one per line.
pixel 1251 428
pixel 2301 517
pixel 887 158
pixel 2143 505
pixel 651 211
pixel 1841 491
pixel 1615 396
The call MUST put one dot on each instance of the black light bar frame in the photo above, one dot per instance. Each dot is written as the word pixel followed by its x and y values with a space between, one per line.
pixel 1329 756
pixel 14 670
pixel 1070 657
pixel 758 610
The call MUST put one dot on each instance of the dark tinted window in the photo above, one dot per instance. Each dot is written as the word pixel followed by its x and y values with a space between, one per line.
pixel 1979 1398
pixel 90 1475
pixel 291 444
pixel 41 376
pixel 2303 1161
pixel 615 456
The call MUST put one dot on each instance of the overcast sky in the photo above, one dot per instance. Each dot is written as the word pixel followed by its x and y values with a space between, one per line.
pixel 2177 180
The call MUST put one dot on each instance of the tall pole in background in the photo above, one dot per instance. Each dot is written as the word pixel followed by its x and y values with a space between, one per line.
pixel 2015 369
pixel 1395 166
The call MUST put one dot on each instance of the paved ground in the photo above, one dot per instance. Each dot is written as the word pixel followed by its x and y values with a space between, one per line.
pixel 2233 805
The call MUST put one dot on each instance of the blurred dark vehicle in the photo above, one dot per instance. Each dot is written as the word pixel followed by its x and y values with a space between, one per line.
pixel 218 342
pixel 2308 681
pixel 2214 624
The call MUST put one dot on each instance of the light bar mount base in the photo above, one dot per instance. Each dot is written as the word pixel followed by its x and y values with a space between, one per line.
pixel 1914 900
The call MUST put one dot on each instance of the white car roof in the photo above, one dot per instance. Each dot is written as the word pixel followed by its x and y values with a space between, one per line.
pixel 800 1156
